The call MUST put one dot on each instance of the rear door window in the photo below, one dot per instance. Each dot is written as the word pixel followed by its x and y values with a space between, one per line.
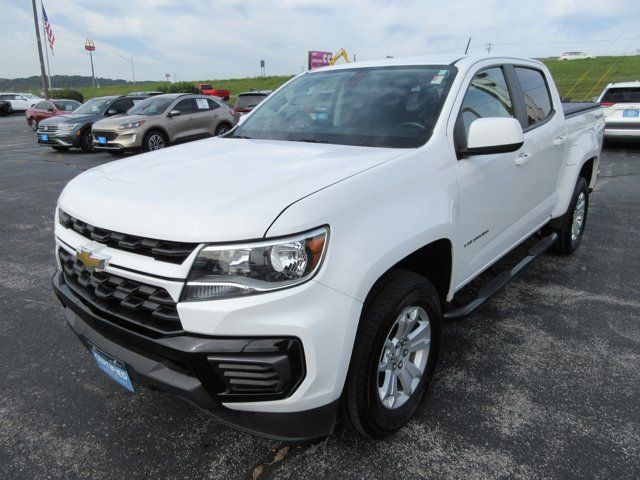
pixel 213 104
pixel 121 106
pixel 535 92
pixel 622 95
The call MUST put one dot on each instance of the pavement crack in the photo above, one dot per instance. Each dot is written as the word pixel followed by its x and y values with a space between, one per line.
pixel 267 467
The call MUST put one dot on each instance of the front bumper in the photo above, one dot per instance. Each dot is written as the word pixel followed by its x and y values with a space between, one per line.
pixel 120 141
pixel 59 139
pixel 182 365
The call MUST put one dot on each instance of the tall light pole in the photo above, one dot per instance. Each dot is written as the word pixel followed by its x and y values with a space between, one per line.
pixel 130 60
pixel 42 71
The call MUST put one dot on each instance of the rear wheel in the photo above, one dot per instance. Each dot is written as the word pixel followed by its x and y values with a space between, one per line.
pixel 570 226
pixel 154 140
pixel 33 123
pixel 86 141
pixel 394 356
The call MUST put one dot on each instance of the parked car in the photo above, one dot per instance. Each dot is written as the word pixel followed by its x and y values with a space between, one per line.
pixel 207 89
pixel 163 120
pixel 5 108
pixel 19 102
pixel 74 130
pixel 302 264
pixel 574 56
pixel 621 107
pixel 49 108
pixel 247 101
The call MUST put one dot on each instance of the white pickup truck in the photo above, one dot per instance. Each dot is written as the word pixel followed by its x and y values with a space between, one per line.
pixel 298 269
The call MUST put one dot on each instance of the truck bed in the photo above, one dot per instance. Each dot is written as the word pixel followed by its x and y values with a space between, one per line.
pixel 571 109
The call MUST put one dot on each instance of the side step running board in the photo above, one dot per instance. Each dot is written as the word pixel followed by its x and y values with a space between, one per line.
pixel 497 283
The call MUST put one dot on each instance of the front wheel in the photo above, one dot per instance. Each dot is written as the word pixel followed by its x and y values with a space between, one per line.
pixel 394 355
pixel 154 140
pixel 571 225
pixel 33 123
pixel 86 141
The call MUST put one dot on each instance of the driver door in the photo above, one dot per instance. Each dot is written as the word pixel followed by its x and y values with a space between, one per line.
pixel 491 199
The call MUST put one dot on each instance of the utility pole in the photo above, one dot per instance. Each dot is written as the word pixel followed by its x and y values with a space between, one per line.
pixel 42 71
pixel 133 73
pixel 489 45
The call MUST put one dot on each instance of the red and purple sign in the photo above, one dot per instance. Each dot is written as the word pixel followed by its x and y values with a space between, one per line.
pixel 319 59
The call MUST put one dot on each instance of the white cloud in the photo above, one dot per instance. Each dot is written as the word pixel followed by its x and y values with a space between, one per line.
pixel 199 39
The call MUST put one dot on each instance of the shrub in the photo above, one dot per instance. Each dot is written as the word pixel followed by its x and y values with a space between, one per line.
pixel 179 87
pixel 68 94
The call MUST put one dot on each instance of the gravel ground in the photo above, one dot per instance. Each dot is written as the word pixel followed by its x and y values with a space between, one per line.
pixel 541 382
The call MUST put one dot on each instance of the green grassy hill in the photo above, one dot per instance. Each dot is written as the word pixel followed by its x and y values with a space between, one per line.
pixel 235 85
pixel 578 79
pixel 583 79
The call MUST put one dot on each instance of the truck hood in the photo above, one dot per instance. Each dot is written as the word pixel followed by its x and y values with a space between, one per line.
pixel 214 190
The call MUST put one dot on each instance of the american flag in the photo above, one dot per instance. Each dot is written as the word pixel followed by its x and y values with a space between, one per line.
pixel 48 29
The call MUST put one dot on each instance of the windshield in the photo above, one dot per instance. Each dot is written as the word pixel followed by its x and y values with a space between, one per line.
pixel 95 105
pixel 67 106
pixel 393 107
pixel 151 106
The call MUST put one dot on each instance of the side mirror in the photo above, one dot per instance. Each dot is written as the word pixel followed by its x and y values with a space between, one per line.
pixel 494 135
pixel 111 112
pixel 174 113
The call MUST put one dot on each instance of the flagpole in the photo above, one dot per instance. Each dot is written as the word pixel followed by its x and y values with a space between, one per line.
pixel 46 49
pixel 42 72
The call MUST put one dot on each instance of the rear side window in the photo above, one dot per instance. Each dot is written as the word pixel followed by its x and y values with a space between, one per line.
pixel 121 106
pixel 622 95
pixel 487 96
pixel 249 101
pixel 535 91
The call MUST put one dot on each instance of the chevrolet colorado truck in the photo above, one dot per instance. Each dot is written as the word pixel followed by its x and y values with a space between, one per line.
pixel 297 270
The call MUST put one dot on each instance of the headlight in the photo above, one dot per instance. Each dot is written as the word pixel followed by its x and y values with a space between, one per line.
pixel 126 126
pixel 237 270
pixel 67 126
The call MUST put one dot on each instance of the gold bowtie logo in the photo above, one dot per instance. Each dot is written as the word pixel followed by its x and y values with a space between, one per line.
pixel 91 260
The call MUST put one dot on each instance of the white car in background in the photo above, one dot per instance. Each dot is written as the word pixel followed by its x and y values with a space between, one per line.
pixel 621 106
pixel 19 101
pixel 574 56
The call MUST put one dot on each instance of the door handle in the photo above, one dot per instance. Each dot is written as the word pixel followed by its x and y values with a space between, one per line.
pixel 559 140
pixel 523 159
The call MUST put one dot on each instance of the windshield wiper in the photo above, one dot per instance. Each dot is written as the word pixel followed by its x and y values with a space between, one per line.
pixel 311 140
pixel 240 136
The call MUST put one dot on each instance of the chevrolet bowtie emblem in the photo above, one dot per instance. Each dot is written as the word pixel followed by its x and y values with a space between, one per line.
pixel 91 260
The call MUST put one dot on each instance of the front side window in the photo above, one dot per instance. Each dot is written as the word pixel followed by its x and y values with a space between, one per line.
pixel 535 92
pixel 121 106
pixel 95 105
pixel 67 106
pixel 41 106
pixel 185 106
pixel 487 96
pixel 393 107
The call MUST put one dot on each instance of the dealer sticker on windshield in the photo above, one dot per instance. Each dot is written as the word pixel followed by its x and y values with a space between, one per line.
pixel 113 367
pixel 437 79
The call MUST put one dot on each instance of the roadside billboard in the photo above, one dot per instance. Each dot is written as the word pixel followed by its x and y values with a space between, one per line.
pixel 319 59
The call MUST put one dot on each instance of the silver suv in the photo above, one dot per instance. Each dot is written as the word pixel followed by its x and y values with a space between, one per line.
pixel 162 120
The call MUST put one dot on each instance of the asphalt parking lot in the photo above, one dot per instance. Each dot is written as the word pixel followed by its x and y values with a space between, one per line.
pixel 542 382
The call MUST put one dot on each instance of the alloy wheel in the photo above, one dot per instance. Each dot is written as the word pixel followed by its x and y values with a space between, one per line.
pixel 155 142
pixel 578 217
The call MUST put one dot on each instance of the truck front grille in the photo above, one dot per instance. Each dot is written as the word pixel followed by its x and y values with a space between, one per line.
pixel 165 251
pixel 136 306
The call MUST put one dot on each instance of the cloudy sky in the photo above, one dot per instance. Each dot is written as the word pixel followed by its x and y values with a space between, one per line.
pixel 197 39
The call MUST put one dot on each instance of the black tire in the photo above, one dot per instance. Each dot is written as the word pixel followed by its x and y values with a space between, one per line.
pixel 361 405
pixel 60 148
pixel 568 243
pixel 33 123
pixel 86 141
pixel 154 140
pixel 222 129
